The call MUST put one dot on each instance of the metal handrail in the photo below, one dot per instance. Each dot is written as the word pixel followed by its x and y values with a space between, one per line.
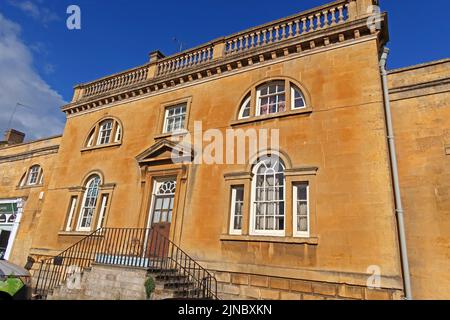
pixel 136 247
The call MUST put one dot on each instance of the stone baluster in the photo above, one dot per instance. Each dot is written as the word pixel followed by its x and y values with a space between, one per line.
pixel 319 23
pixel 333 16
pixel 297 27
pixel 247 42
pixel 182 62
pixel 277 33
pixel 341 14
pixel 252 41
pixel 235 45
pixel 270 35
pixel 202 57
pixel 264 40
pixel 283 31
pixel 304 25
pixel 325 19
pixel 166 67
pixel 311 23
pixel 291 31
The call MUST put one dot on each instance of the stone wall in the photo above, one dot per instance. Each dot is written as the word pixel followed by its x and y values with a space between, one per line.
pixel 102 282
pixel 420 98
pixel 247 286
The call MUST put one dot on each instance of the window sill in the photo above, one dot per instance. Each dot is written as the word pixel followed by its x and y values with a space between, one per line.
pixel 170 134
pixel 74 233
pixel 103 146
pixel 271 239
pixel 305 111
pixel 30 186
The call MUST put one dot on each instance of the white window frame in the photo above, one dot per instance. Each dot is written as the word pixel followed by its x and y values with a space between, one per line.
pixel 118 136
pixel 233 209
pixel 253 231
pixel 258 97
pixel 73 206
pixel 243 105
pixel 180 115
pixel 105 132
pixel 30 173
pixel 90 142
pixel 83 205
pixel 102 214
pixel 293 89
pixel 296 233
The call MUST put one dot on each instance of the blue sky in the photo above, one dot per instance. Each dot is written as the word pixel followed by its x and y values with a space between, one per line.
pixel 46 60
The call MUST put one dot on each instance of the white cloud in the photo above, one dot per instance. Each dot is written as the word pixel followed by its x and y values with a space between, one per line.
pixel 20 82
pixel 35 10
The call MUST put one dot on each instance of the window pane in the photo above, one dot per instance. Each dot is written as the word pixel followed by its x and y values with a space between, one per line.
pixel 237 204
pixel 302 224
pixel 302 191
pixel 156 216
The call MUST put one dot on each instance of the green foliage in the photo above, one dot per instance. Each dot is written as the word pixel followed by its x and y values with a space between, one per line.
pixel 149 286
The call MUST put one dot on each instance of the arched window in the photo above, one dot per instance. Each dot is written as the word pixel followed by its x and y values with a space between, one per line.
pixel 268 196
pixel 34 176
pixel 89 204
pixel 108 131
pixel 272 97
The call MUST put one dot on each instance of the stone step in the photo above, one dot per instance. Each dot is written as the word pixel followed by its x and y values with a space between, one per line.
pixel 187 293
pixel 179 285
pixel 171 277
pixel 158 270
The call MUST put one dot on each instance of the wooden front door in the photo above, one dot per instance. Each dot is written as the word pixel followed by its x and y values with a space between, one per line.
pixel 163 197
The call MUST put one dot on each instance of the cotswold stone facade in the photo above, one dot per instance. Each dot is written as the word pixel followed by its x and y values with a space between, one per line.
pixel 330 227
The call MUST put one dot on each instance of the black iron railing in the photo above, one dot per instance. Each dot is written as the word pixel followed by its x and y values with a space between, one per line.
pixel 145 248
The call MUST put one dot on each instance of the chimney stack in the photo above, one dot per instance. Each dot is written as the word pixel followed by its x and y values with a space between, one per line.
pixel 14 137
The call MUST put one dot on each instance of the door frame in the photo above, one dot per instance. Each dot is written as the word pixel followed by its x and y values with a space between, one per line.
pixel 150 173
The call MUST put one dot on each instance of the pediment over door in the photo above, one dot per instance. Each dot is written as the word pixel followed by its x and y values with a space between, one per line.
pixel 164 152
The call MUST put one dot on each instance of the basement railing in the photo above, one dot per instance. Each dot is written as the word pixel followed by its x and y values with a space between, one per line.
pixel 132 247
pixel 317 19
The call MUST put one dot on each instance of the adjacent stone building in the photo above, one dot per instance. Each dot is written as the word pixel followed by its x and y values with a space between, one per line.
pixel 313 218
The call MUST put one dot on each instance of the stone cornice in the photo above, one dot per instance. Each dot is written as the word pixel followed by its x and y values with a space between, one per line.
pixel 422 85
pixel 30 154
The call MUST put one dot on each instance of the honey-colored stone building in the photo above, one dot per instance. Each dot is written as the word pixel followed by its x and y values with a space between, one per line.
pixel 314 220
